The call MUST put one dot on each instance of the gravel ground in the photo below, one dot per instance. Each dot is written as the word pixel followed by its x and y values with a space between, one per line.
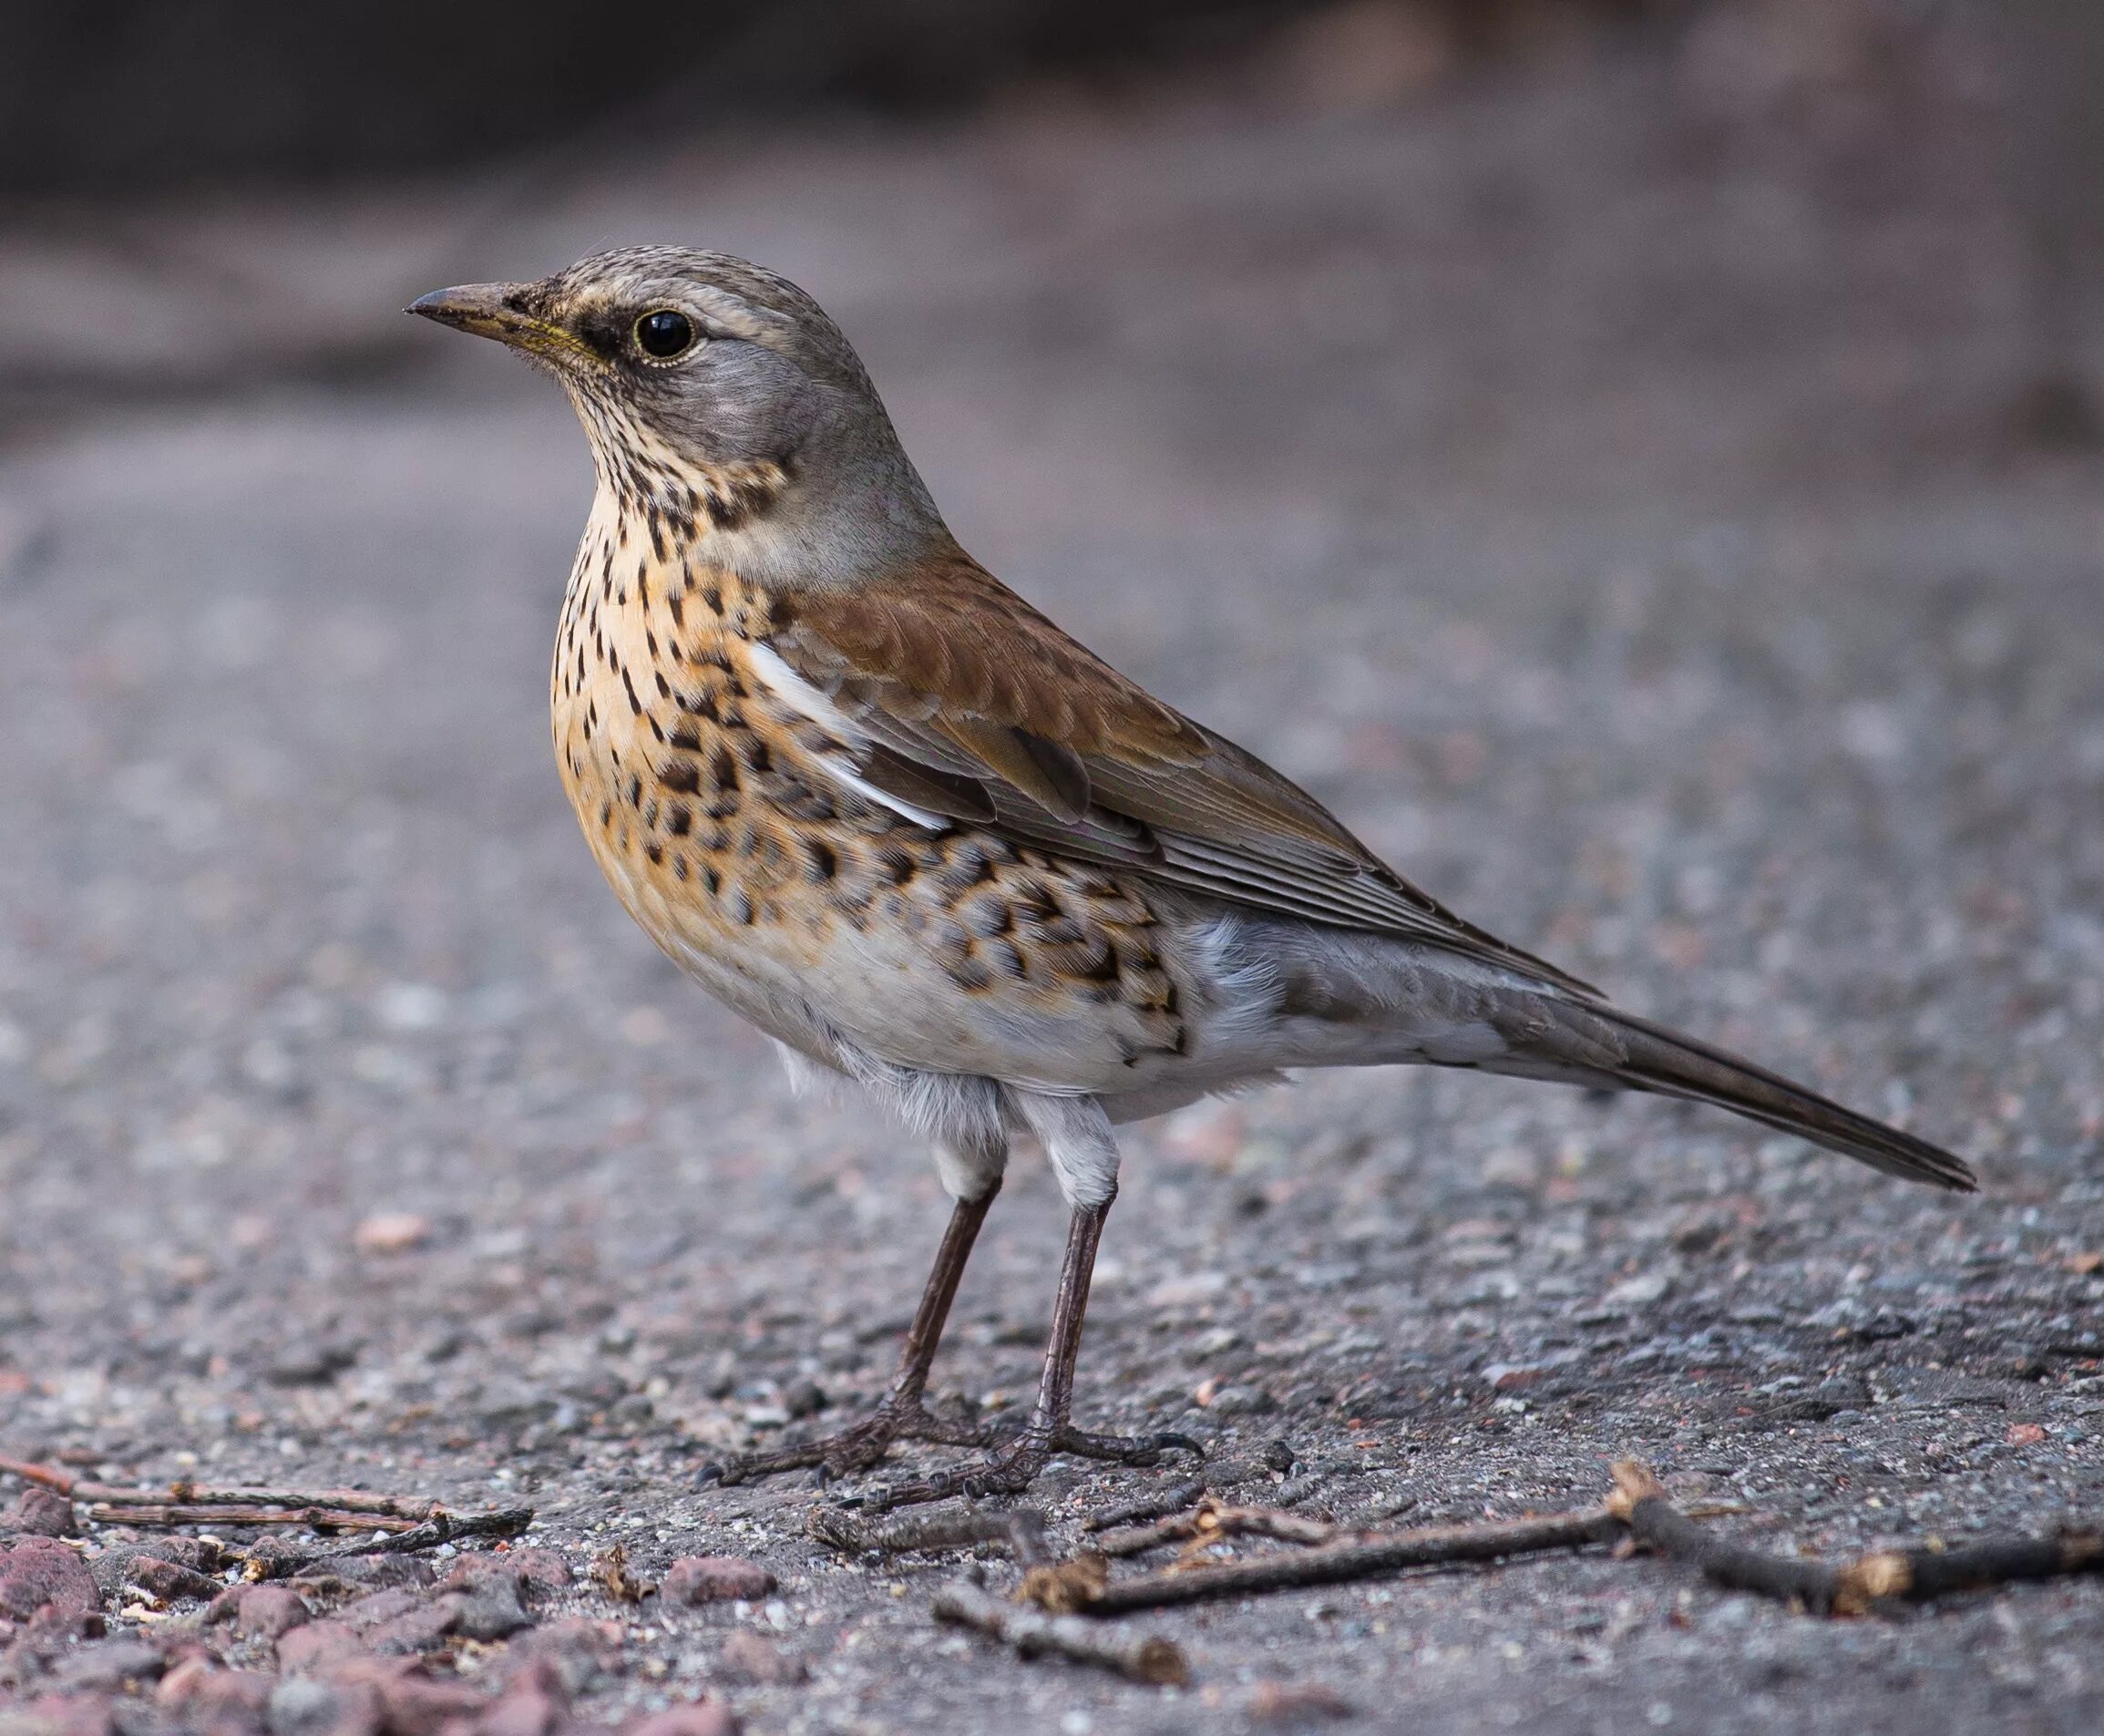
pixel 1602 493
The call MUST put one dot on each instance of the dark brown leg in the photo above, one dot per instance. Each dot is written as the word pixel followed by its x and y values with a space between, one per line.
pixel 901 1416
pixel 1012 1469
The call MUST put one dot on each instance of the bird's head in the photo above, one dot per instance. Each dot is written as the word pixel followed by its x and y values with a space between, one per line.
pixel 692 369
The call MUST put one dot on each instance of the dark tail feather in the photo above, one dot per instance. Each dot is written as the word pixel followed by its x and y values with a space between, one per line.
pixel 1643 1056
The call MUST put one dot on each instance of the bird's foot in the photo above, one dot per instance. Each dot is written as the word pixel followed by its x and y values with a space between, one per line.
pixel 1013 1468
pixel 855 1447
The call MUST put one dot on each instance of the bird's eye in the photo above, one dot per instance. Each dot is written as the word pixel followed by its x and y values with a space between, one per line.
pixel 664 334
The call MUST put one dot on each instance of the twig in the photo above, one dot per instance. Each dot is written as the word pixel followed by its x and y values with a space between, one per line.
pixel 1136 1540
pixel 407 1509
pixel 1175 1498
pixel 1022 1529
pixel 1362 1556
pixel 1146 1658
pixel 1844 1587
pixel 160 1517
pixel 442 1527
pixel 274 1558
pixel 1920 1574
pixel 1656 1524
pixel 409 1523
pixel 1210 1522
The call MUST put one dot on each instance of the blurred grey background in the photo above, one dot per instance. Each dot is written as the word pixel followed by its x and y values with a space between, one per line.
pixel 1638 462
pixel 201 195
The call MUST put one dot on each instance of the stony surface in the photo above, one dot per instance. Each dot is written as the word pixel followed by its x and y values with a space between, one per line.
pixel 1602 492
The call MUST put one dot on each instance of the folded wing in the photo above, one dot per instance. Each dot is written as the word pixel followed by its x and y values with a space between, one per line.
pixel 961 702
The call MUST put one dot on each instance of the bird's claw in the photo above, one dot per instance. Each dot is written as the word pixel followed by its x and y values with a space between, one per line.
pixel 855 1448
pixel 1016 1467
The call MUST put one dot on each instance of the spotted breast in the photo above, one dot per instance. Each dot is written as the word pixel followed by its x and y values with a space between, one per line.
pixel 720 799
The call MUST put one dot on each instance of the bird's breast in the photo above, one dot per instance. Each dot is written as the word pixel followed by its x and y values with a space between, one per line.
pixel 716 807
pixel 695 791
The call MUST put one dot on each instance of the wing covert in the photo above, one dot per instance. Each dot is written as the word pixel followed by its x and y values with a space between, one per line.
pixel 972 704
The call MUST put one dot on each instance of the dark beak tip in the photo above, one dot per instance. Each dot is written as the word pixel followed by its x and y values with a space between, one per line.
pixel 496 311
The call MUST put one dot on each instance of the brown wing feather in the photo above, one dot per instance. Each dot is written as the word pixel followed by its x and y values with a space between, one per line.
pixel 1053 776
pixel 953 673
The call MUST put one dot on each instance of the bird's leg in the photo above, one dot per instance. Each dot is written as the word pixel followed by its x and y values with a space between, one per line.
pixel 902 1416
pixel 1015 1466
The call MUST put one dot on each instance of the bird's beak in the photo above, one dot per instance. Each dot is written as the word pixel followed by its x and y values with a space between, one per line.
pixel 499 311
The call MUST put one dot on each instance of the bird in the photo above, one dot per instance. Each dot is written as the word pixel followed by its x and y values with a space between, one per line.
pixel 875 802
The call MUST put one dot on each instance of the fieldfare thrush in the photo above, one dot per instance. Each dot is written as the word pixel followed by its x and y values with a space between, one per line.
pixel 874 801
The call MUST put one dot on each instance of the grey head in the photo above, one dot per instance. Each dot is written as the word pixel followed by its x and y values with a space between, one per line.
pixel 681 361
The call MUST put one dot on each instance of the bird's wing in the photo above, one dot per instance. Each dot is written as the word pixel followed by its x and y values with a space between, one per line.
pixel 968 703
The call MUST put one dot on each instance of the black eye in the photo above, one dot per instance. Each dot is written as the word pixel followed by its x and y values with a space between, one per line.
pixel 665 335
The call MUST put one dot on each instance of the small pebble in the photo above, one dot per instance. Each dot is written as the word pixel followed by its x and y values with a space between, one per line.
pixel 36 1571
pixel 534 1702
pixel 1241 1401
pixel 754 1658
pixel 317 1645
pixel 106 1668
pixel 1639 1291
pixel 698 1579
pixel 303 1708
pixel 374 1611
pixel 492 1610
pixel 412 1701
pixel 269 1611
pixel 582 1651
pixel 208 1697
pixel 540 1571
pixel 124 1566
pixel 391 1233
pixel 418 1630
pixel 40 1513
pixel 309 1363
pixel 1296 1703
pixel 803 1399
pixel 635 1411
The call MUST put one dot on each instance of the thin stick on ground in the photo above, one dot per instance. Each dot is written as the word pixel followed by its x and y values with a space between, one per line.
pixel 408 1523
pixel 1019 1529
pixel 407 1509
pixel 1360 1555
pixel 1638 1509
pixel 1137 1540
pixel 1175 1498
pixel 1920 1574
pixel 1212 1521
pixel 273 1558
pixel 1841 1588
pixel 1031 1633
pixel 1656 1524
pixel 160 1517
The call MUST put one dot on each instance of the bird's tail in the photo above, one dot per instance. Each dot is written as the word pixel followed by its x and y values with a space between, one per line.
pixel 1635 1053
pixel 1302 996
